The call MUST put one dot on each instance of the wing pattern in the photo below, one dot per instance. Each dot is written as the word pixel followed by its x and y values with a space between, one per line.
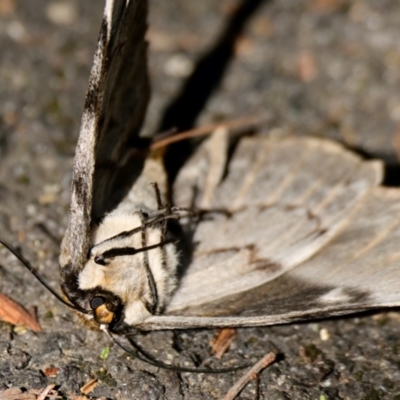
pixel 115 106
pixel 309 233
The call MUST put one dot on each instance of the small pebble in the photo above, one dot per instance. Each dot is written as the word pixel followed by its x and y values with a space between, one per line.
pixel 62 12
pixel 178 66
pixel 324 334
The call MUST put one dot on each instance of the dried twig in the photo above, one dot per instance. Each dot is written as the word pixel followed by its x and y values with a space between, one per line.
pixel 249 375
pixel 221 342
pixel 89 387
pixel 43 394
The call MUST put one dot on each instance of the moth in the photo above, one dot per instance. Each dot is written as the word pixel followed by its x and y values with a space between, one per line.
pixel 284 229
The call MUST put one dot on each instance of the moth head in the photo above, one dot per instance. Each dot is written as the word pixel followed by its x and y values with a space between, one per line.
pixel 126 277
pixel 102 311
pixel 97 307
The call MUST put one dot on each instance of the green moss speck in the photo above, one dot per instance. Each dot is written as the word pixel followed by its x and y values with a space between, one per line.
pixel 358 375
pixel 311 352
pixel 105 353
pixel 23 179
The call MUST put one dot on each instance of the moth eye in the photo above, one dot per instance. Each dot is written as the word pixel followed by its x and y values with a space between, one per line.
pixel 96 302
pixel 100 260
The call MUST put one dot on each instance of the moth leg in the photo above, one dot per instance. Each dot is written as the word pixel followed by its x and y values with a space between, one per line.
pixel 168 210
pixel 150 278
pixel 191 211
pixel 160 204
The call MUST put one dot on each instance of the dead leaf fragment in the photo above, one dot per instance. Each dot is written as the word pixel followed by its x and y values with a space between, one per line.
pixel 306 66
pixel 7 7
pixel 15 314
pixel 16 394
pixel 52 371
pixel 221 342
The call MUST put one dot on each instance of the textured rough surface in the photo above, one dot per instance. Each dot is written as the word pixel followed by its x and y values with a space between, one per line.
pixel 326 68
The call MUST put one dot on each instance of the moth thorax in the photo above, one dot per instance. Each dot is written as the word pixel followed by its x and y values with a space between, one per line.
pixel 144 280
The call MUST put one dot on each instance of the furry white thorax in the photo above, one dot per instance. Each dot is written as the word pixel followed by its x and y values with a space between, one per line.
pixel 125 276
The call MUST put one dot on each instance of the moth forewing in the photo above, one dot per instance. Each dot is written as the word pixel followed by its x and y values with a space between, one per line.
pixel 115 106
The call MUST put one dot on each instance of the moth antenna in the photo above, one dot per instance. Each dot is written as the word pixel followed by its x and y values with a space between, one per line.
pixel 127 251
pixel 149 224
pixel 36 274
pixel 165 134
pixel 142 355
pixel 205 130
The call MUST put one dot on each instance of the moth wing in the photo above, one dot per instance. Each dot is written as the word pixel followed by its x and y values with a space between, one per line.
pixel 115 106
pixel 310 235
pixel 358 270
pixel 286 198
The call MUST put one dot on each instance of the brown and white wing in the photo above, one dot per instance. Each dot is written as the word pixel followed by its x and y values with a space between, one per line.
pixel 115 106
pixel 310 234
